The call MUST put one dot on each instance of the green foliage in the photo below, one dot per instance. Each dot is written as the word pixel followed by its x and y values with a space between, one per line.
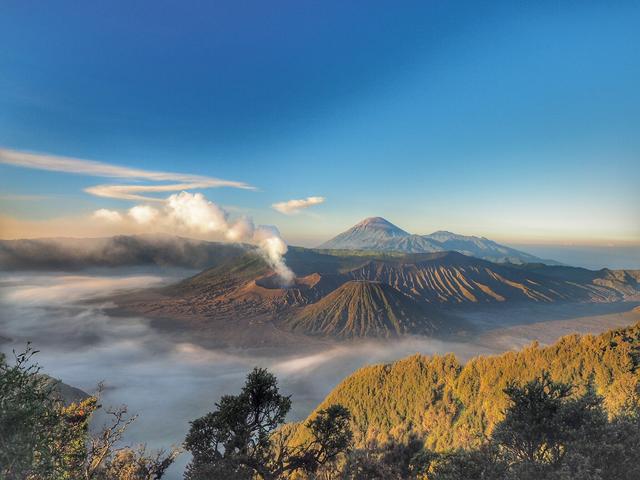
pixel 38 437
pixel 549 434
pixel 41 438
pixel 452 405
pixel 563 412
pixel 543 420
pixel 391 461
pixel 331 435
pixel 138 464
pixel 484 463
pixel 241 438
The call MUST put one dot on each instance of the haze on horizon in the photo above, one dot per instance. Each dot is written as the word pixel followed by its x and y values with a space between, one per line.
pixel 517 122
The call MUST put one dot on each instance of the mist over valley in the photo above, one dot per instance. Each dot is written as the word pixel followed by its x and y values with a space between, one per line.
pixel 174 364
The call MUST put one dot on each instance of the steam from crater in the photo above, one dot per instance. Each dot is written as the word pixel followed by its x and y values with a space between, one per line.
pixel 191 213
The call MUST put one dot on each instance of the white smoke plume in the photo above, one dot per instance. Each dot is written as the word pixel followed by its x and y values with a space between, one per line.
pixel 192 213
pixel 241 228
pixel 274 247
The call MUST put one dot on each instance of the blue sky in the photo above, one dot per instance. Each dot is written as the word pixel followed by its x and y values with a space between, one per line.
pixel 519 121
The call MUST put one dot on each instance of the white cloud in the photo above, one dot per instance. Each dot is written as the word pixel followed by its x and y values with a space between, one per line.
pixel 108 215
pixel 295 206
pixel 100 169
pixel 191 213
pixel 131 192
pixel 195 213
pixel 143 214
pixel 182 212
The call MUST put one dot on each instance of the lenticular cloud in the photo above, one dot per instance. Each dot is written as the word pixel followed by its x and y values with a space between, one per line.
pixel 296 206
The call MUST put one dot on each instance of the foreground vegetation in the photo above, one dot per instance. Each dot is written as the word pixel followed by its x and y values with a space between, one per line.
pixel 546 433
pixel 41 437
pixel 568 411
pixel 451 405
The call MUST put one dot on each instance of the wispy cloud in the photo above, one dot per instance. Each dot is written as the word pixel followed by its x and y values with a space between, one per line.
pixel 100 169
pixel 295 206
pixel 131 192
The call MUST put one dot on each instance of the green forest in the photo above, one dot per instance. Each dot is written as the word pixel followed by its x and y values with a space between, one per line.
pixel 566 411
pixel 453 405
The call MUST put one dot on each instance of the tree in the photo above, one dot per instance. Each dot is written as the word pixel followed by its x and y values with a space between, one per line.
pixel 42 438
pixel 136 464
pixel 544 422
pixel 241 438
pixel 484 463
pixel 550 433
pixel 29 420
pixel 389 461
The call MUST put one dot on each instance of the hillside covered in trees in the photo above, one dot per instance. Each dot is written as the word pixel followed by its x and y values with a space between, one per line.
pixel 563 412
pixel 452 405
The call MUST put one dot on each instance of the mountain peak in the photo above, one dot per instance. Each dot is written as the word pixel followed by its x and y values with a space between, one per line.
pixel 372 233
pixel 361 308
pixel 379 234
pixel 374 220
pixel 379 223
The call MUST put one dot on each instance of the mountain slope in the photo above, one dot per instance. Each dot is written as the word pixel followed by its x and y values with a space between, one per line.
pixel 378 234
pixel 481 247
pixel 362 309
pixel 352 296
pixel 453 278
pixel 63 392
pixel 453 405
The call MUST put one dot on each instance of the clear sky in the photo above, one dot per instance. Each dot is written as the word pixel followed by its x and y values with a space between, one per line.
pixel 516 120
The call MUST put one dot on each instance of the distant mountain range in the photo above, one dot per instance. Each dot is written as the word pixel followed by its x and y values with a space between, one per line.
pixel 354 295
pixel 372 290
pixel 371 235
pixel 378 234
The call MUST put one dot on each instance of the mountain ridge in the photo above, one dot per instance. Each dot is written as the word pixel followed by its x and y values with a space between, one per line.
pixel 404 294
pixel 378 234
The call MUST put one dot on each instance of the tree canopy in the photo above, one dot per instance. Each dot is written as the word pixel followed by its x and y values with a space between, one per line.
pixel 43 438
pixel 455 405
pixel 240 439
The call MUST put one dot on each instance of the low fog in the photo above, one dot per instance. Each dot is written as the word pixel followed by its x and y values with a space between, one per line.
pixel 67 254
pixel 169 381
